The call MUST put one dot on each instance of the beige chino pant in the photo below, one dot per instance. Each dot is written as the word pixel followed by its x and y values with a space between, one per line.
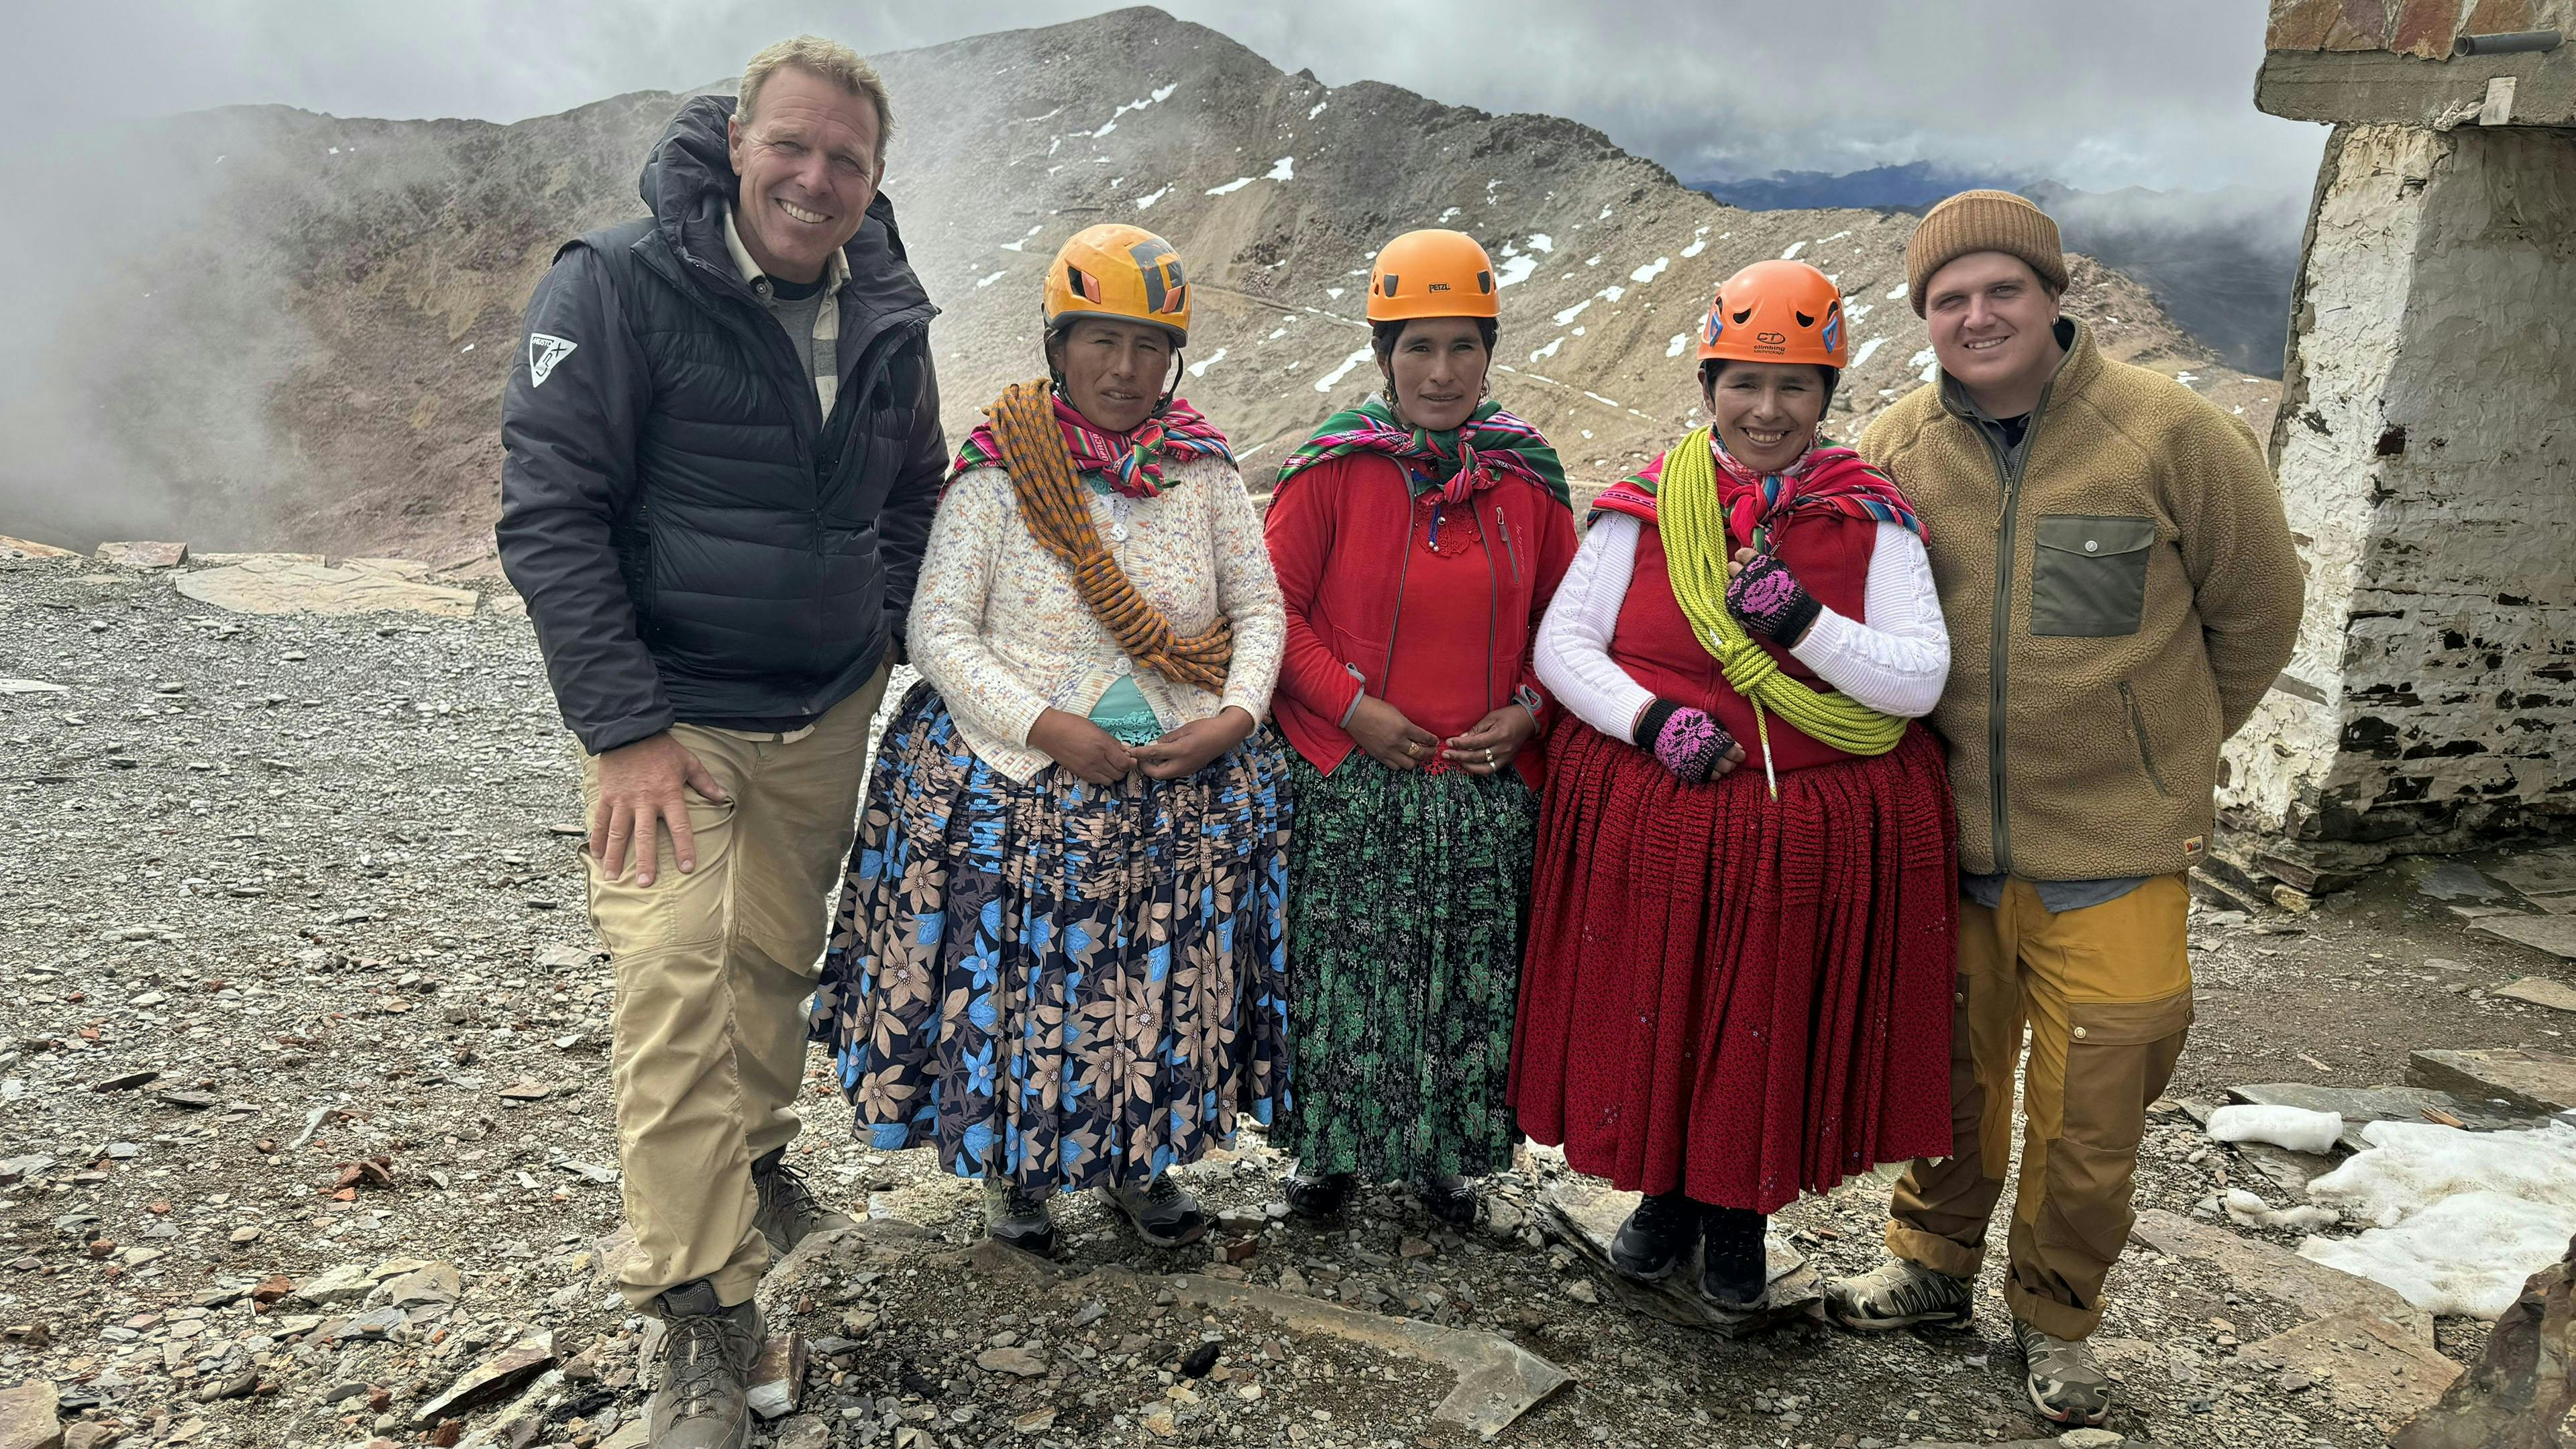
pixel 2104 994
pixel 713 971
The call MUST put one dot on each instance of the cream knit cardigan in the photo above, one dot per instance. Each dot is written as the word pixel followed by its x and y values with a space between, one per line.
pixel 998 630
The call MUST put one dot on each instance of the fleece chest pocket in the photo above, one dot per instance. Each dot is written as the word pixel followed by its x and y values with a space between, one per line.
pixel 2090 579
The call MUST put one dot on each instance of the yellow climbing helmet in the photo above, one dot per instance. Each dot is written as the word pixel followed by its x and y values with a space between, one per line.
pixel 1120 271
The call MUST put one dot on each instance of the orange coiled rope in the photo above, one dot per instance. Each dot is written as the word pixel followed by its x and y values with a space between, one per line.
pixel 1057 509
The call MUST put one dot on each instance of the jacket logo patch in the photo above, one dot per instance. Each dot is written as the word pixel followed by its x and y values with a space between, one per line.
pixel 544 351
pixel 2193 848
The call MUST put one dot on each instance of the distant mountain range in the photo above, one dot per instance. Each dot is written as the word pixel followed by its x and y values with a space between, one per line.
pixel 2222 262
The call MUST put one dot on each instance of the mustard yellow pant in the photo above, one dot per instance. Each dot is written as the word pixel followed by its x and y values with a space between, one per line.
pixel 2104 996
pixel 713 970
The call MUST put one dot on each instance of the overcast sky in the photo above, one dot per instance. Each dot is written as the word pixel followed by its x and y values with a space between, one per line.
pixel 2093 95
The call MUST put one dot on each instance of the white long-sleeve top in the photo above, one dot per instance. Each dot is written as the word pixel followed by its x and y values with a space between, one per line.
pixel 999 631
pixel 1896 663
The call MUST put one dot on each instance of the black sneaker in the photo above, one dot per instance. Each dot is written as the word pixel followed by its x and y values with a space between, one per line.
pixel 1734 1266
pixel 1655 1237
pixel 1899 1294
pixel 789 1211
pixel 701 1398
pixel 1017 1217
pixel 1448 1197
pixel 1161 1212
pixel 1318 1197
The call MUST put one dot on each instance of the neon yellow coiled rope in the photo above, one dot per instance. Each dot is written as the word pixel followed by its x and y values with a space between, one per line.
pixel 1695 553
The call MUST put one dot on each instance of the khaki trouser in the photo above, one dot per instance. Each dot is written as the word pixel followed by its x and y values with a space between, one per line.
pixel 713 969
pixel 2106 994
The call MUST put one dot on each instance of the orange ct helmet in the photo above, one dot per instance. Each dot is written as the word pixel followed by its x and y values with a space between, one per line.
pixel 1776 312
pixel 1119 271
pixel 1432 273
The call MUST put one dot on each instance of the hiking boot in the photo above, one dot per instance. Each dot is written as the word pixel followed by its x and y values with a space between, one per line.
pixel 1734 1264
pixel 701 1394
pixel 1317 1197
pixel 788 1208
pixel 1163 1214
pixel 2065 1383
pixel 1899 1294
pixel 1017 1217
pixel 1655 1237
pixel 1448 1197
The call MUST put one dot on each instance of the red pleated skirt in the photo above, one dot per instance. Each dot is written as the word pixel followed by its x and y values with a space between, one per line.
pixel 1740 997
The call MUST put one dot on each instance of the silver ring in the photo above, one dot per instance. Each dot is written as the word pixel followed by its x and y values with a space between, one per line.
pixel 1489 758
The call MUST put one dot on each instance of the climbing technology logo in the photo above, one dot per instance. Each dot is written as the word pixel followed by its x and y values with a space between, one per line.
pixel 544 351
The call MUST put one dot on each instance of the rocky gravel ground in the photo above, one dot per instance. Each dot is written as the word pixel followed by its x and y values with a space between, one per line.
pixel 306 1138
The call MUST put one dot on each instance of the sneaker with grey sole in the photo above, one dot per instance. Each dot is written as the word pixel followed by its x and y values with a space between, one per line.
pixel 1163 1214
pixel 1899 1294
pixel 2065 1382
pixel 789 1211
pixel 701 1398
pixel 1017 1217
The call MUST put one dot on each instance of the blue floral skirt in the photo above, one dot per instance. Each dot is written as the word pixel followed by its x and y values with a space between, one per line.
pixel 1061 984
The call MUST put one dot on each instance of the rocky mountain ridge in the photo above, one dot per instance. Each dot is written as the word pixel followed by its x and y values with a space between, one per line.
pixel 353 290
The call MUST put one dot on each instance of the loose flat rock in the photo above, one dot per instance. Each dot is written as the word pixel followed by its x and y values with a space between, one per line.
pixel 2540 872
pixel 28 1417
pixel 2455 880
pixel 495 1378
pixel 2361 1106
pixel 138 554
pixel 2276 1272
pixel 1586 1215
pixel 273 584
pixel 336 1285
pixel 2525 1079
pixel 2553 934
pixel 32 686
pixel 2539 991
pixel 778 1376
pixel 29 548
pixel 1497 1379
pixel 2365 1362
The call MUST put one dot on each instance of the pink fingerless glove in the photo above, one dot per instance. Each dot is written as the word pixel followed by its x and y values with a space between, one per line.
pixel 1683 740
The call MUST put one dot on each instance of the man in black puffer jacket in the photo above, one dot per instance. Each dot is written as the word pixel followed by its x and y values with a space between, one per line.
pixel 722 452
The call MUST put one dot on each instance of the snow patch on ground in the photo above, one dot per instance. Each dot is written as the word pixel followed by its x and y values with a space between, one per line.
pixel 1867 350
pixel 1333 379
pixel 1283 169
pixel 1897 292
pixel 1791 254
pixel 2461 1217
pixel 1200 367
pixel 1605 401
pixel 1515 269
pixel 2295 1128
pixel 1650 270
pixel 1570 313
pixel 989 278
pixel 1335 292
pixel 1319 109
pixel 1550 350
pixel 1682 340
pixel 1150 198
pixel 1541 241
pixel 1444 216
pixel 1229 188
pixel 1613 292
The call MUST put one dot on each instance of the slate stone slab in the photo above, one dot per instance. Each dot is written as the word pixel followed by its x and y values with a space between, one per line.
pixel 2525 1079
pixel 2364 1362
pixel 2539 991
pixel 2553 934
pixel 2276 1272
pixel 1586 1215
pixel 2361 1106
pixel 2540 872
pixel 2454 880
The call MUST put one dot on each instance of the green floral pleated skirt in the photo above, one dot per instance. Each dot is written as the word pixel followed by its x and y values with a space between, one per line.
pixel 1408 894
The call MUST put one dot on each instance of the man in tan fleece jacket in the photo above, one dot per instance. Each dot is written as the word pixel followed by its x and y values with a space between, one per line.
pixel 2121 588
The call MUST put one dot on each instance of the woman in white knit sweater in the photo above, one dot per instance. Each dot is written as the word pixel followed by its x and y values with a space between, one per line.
pixel 1057 956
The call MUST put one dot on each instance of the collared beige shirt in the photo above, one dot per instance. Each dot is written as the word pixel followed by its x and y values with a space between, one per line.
pixel 827 318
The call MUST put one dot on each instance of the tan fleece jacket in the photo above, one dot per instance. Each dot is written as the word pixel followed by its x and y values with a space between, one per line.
pixel 2149 594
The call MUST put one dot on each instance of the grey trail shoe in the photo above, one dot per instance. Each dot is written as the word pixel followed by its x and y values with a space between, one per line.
pixel 701 1398
pixel 1899 1294
pixel 2065 1382
pixel 1015 1217
pixel 788 1208
pixel 1164 1215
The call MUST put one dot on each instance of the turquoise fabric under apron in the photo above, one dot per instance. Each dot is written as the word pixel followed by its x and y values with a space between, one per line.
pixel 1123 712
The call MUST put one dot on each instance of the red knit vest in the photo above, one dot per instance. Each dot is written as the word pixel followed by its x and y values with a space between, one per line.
pixel 1654 643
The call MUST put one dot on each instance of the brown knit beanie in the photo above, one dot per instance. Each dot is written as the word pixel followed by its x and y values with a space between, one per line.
pixel 1983 221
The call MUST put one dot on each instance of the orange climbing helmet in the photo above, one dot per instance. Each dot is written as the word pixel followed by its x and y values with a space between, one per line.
pixel 1122 272
pixel 1776 312
pixel 1432 273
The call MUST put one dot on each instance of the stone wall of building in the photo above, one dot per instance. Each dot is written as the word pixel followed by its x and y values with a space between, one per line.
pixel 2426 446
